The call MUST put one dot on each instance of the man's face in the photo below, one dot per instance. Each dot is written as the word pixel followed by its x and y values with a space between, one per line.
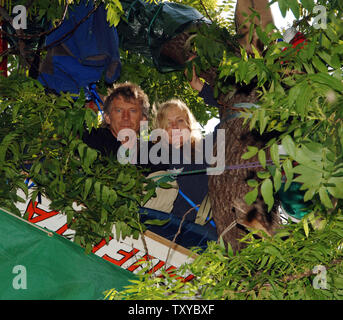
pixel 124 115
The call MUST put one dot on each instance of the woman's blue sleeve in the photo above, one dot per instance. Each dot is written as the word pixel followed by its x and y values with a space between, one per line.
pixel 207 94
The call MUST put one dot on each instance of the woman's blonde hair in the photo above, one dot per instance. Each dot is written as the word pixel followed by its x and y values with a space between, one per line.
pixel 162 121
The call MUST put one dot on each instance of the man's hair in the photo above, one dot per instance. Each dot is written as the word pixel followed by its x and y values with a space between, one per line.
pixel 130 92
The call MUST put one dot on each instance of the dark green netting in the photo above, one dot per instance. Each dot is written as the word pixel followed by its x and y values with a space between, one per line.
pixel 55 267
pixel 149 26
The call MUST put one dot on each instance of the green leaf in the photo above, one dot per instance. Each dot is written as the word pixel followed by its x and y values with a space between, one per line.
pixel 263 174
pixel 289 146
pixel 305 226
pixel 91 156
pixel 337 190
pixel 88 185
pixel 303 101
pixel 308 176
pixel 308 4
pixel 156 222
pixel 277 180
pixel 112 197
pixel 326 79
pixel 251 196
pixel 103 218
pixel 318 64
pixel 130 185
pixel 267 193
pixel 252 183
pixel 147 196
pixel 263 120
pixel 283 7
pixel 324 198
pixel 252 151
pixel 274 153
pixel 97 189
pixel 293 95
pixel 165 185
pixel 70 214
pixel 309 194
pixel 294 5
pixel 230 252
pixel 105 194
pixel 262 158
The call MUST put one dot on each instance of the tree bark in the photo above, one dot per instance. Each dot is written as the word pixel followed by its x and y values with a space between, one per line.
pixel 227 190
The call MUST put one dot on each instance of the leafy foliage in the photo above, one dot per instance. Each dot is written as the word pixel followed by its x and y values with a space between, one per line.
pixel 278 268
pixel 163 86
pixel 300 99
pixel 40 140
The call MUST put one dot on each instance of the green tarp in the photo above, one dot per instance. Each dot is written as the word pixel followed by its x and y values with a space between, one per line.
pixel 292 201
pixel 36 265
pixel 148 26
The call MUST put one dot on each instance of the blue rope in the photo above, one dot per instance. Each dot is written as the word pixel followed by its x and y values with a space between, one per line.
pixel 96 98
pixel 194 206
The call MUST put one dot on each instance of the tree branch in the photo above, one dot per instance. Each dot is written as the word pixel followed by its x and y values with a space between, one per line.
pixel 203 6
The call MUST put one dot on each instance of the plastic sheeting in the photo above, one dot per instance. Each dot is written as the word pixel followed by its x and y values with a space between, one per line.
pixel 151 25
pixel 42 265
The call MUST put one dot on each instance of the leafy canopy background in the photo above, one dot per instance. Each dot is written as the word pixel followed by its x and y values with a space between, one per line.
pixel 300 97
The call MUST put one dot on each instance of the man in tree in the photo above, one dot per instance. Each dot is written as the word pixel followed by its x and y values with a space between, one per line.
pixel 124 109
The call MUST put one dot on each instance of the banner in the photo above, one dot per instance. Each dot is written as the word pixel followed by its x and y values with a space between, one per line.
pixel 40 264
pixel 125 253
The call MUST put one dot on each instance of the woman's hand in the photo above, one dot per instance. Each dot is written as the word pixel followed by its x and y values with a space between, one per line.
pixel 195 83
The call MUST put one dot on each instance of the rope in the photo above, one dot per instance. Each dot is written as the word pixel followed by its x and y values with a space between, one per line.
pixel 227 229
pixel 49 233
pixel 96 98
pixel 160 6
pixel 229 167
pixel 189 200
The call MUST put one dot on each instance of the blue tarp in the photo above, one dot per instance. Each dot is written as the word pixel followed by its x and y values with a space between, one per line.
pixel 191 235
pixel 79 55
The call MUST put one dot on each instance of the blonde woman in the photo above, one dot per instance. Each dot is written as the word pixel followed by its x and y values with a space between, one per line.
pixel 184 140
pixel 178 121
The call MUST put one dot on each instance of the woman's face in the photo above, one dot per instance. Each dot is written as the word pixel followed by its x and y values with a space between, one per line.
pixel 177 128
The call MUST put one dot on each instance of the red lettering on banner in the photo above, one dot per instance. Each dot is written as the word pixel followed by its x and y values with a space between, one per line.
pixel 100 244
pixel 135 265
pixel 126 256
pixel 158 266
pixel 171 274
pixel 62 230
pixel 188 278
pixel 36 214
pixel 171 268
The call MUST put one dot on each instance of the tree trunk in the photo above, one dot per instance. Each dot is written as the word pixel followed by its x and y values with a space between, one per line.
pixel 230 212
